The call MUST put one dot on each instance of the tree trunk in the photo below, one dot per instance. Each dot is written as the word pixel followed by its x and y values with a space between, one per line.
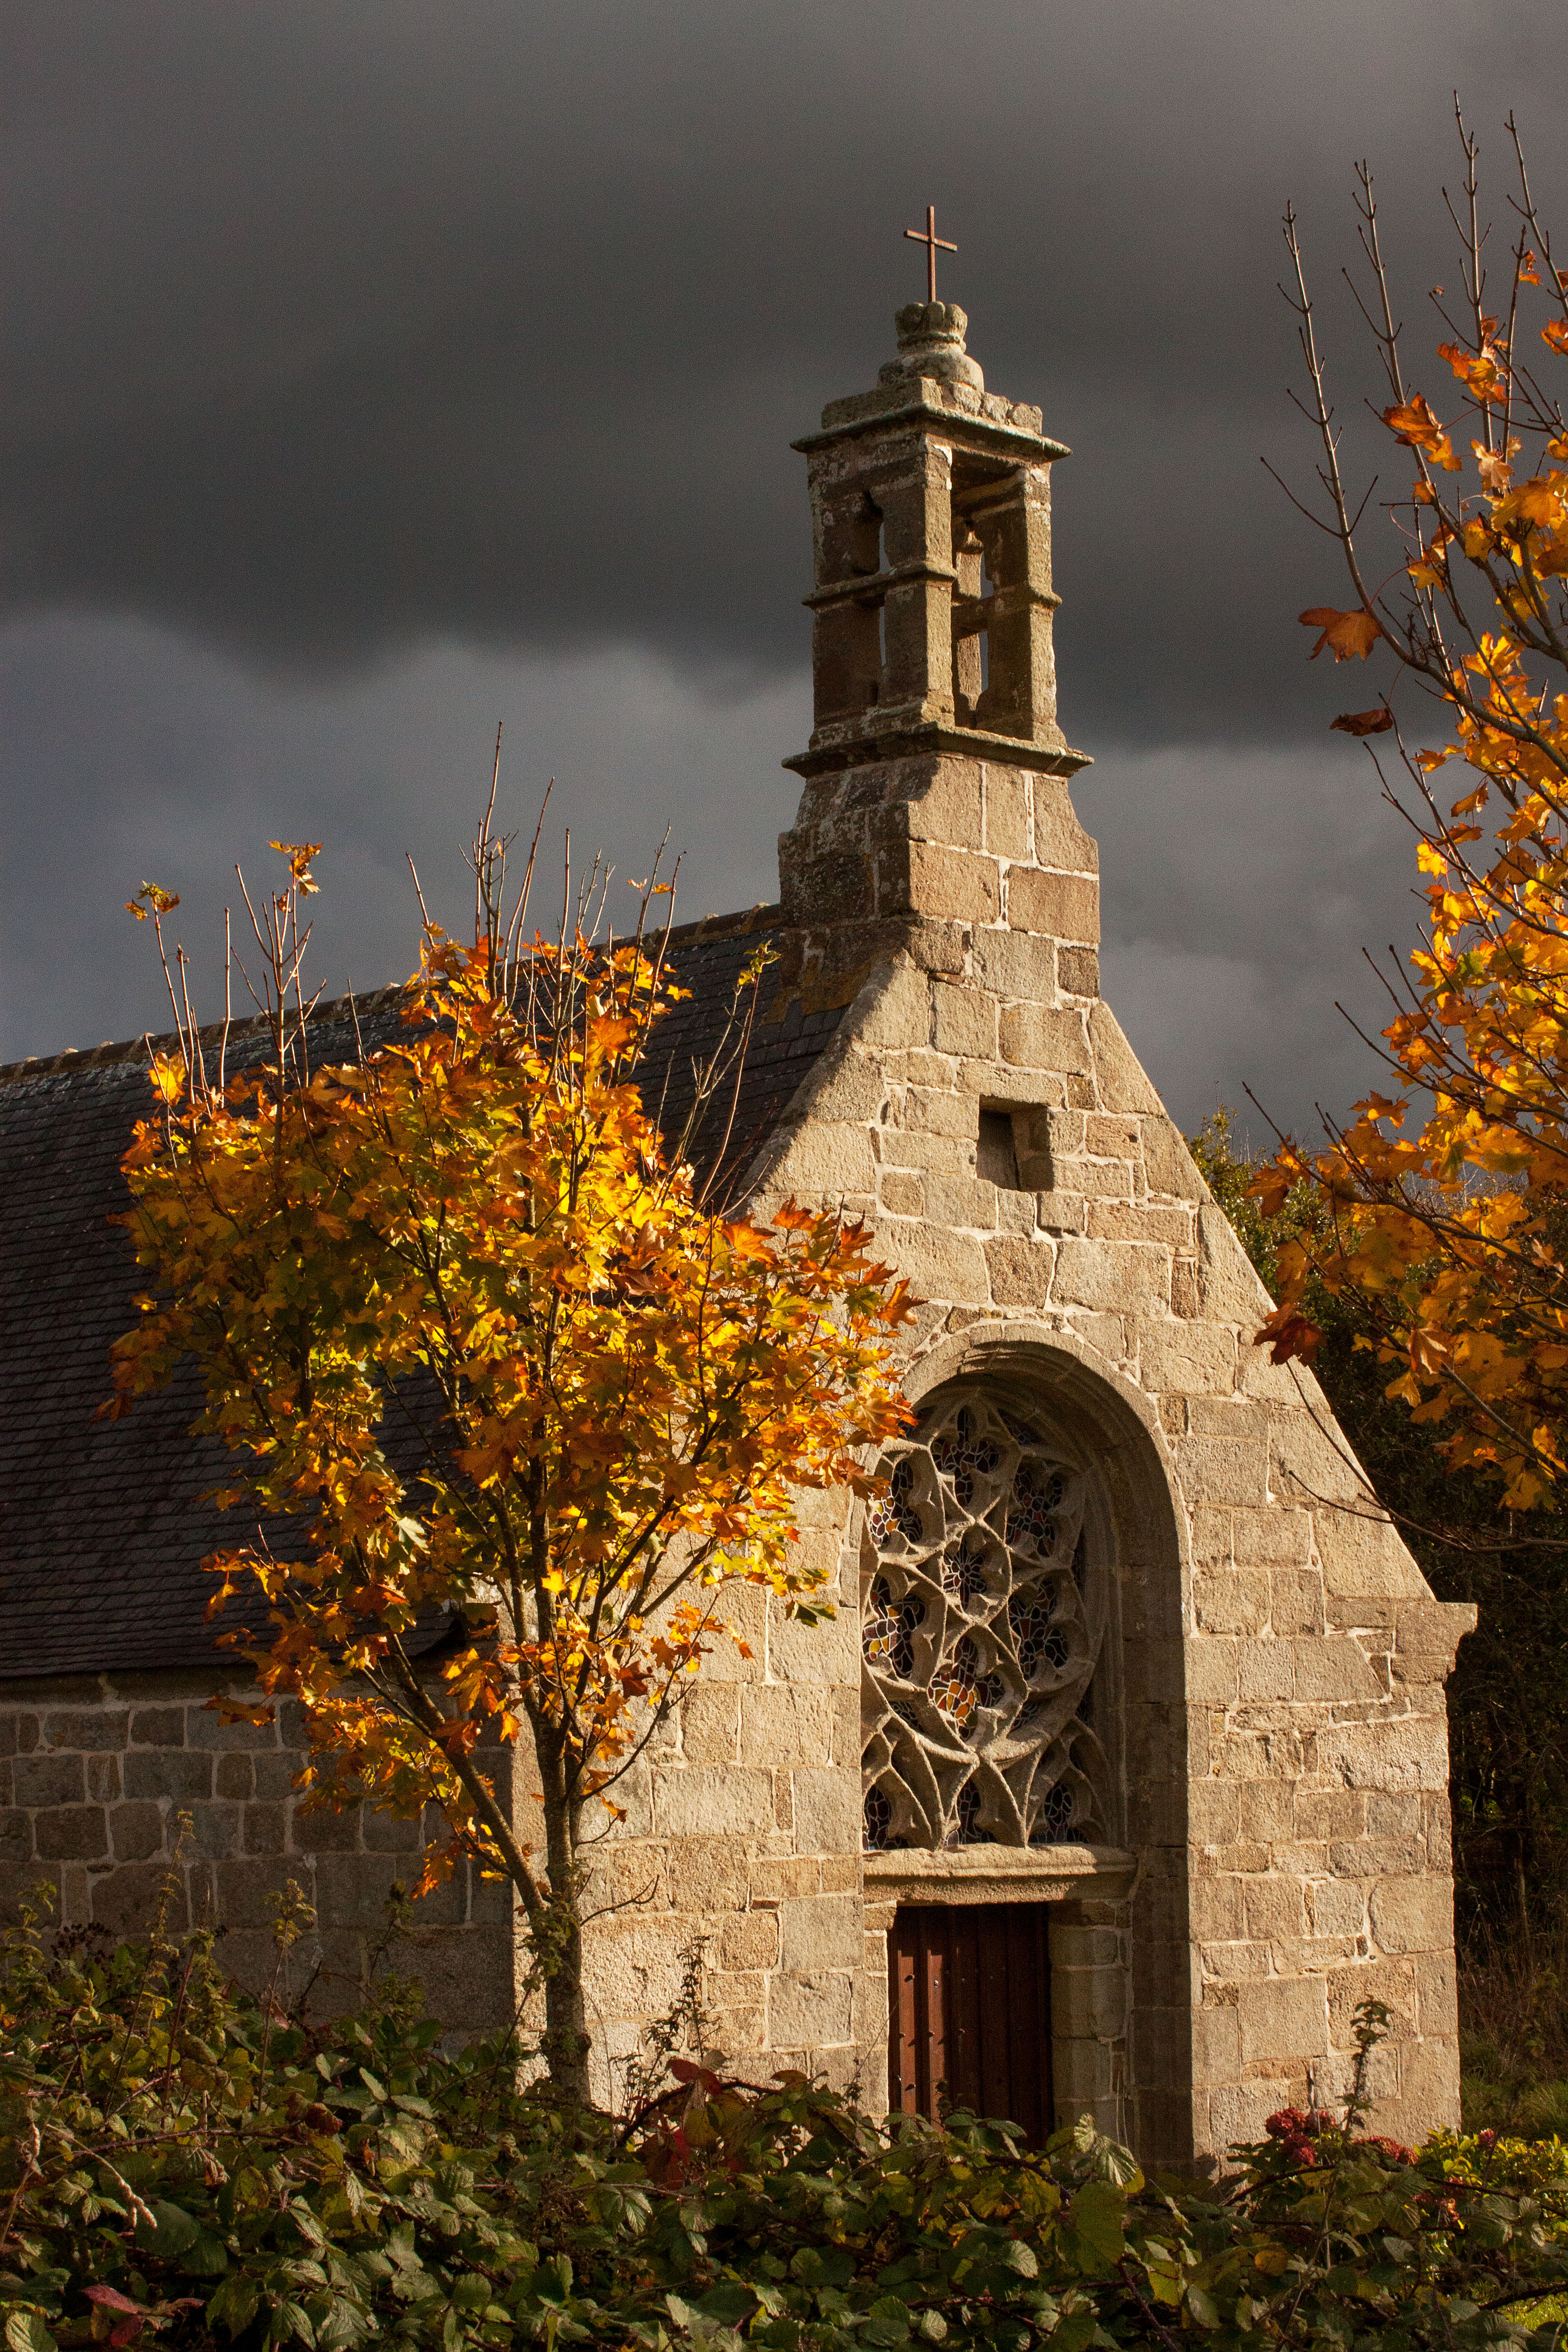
pixel 565 2041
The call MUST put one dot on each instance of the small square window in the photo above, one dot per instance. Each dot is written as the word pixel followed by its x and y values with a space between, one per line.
pixel 995 1151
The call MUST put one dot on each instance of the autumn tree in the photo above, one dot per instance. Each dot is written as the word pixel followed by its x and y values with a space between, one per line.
pixel 1443 1200
pixel 1507 1694
pixel 485 1358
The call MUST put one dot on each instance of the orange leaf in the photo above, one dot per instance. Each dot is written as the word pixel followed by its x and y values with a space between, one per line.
pixel 1414 422
pixel 1288 1333
pixel 1365 722
pixel 1346 634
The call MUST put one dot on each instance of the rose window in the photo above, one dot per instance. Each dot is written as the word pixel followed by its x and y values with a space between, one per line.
pixel 980 1639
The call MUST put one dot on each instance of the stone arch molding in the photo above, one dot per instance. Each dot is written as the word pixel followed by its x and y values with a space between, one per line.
pixel 989 1576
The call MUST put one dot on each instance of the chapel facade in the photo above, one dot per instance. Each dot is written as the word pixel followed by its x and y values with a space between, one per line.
pixel 1121 1777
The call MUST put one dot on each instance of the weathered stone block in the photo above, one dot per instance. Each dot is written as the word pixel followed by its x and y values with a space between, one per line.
pixel 1273 1908
pixel 236 1776
pixel 1021 1271
pixel 1168 1164
pixel 1007 811
pixel 1327 1669
pixel 964 1021
pixel 204 1727
pixel 1224 1469
pixel 1061 840
pixel 1016 964
pixel 1214 1811
pixel 1216 2044
pixel 1186 1359
pixel 180 1776
pixel 901 1194
pixel 900 1014
pixel 938 1264
pixel 1296 1601
pixel 266 1829
pixel 1391 1982
pixel 49 1780
pixel 74 1833
pixel 810 2012
pixel 963 1200
pixel 1266 1670
pixel 1336 1907
pixel 1236 1603
pixel 326 1831
pixel 750 1941
pixel 214 1831
pixel 1282 2018
pixel 789 1723
pixel 1121 1081
pixel 158 1727
pixel 136 1831
pixel 937 880
pixel 1413 1914
pixel 1140 1221
pixel 830 1159
pixel 710 1722
pixel 1411 1753
pixel 1365 1556
pixel 1212 1671
pixel 823 1932
pixel 87 1728
pixel 1035 1038
pixel 827 1810
pixel 1112 1278
pixel 712 1800
pixel 1217 1910
pixel 1064 906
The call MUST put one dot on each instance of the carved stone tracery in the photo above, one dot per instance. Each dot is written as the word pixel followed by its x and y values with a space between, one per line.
pixel 982 1626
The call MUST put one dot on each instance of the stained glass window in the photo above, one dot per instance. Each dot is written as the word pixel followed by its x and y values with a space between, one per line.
pixel 981 1638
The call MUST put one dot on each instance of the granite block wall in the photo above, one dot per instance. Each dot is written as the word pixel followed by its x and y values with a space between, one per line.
pixel 119 1793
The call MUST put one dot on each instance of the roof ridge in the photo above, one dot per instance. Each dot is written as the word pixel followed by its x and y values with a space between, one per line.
pixel 761 916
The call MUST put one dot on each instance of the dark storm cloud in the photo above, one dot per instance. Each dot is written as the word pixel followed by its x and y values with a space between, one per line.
pixel 376 368
pixel 341 327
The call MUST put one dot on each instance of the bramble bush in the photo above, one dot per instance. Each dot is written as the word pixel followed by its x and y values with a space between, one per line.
pixel 186 2160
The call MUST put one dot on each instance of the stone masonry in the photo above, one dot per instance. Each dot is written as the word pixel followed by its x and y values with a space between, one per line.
pixel 119 1794
pixel 1242 1830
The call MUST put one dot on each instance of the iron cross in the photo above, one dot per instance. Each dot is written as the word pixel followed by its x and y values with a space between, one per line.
pixel 930 239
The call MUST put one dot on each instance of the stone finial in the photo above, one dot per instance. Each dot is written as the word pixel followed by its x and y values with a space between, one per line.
pixel 931 343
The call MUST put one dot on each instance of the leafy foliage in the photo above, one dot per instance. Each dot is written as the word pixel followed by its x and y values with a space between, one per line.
pixel 1442 1201
pixel 185 2162
pixel 470 1252
pixel 1507 1695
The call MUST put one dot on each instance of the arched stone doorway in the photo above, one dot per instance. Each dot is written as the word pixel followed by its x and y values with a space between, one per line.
pixel 1026 1736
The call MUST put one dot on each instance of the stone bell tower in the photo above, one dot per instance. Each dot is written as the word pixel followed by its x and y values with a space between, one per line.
pixel 936 774
pixel 931 517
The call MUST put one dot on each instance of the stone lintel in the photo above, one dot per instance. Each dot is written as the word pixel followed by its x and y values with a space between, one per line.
pixel 998 1873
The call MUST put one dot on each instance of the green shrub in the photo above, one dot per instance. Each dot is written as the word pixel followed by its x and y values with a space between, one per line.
pixel 182 2159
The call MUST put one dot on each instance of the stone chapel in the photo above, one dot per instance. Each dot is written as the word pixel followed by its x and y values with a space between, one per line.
pixel 1121 1777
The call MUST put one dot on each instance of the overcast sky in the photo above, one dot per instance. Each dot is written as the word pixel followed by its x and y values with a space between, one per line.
pixel 381 369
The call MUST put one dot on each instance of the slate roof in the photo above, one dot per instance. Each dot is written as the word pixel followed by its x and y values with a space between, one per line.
pixel 102 1531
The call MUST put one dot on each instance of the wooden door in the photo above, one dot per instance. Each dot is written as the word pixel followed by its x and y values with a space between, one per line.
pixel 969 2012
